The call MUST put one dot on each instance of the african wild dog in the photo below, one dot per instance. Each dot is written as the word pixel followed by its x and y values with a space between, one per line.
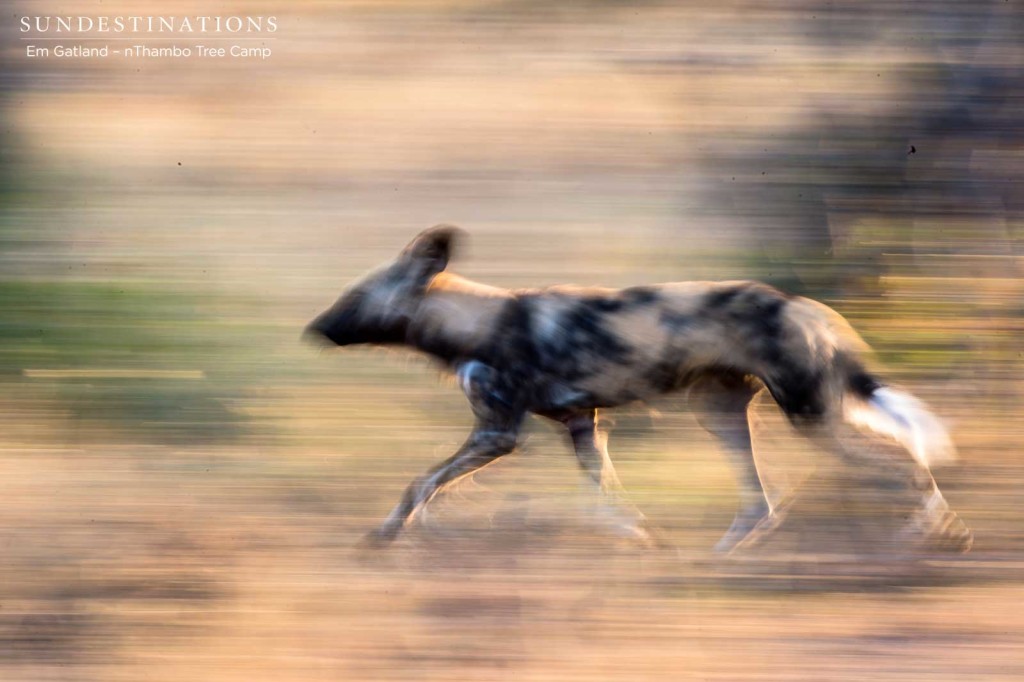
pixel 566 352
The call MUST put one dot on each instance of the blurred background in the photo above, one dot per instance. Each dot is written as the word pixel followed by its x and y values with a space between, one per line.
pixel 183 481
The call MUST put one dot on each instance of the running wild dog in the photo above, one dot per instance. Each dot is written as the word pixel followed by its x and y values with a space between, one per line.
pixel 565 352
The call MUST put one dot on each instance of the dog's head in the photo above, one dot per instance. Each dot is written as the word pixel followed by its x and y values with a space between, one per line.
pixel 377 308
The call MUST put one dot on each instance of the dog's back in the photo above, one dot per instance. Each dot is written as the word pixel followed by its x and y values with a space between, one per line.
pixel 578 347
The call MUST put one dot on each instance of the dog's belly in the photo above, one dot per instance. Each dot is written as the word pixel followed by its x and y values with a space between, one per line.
pixel 614 387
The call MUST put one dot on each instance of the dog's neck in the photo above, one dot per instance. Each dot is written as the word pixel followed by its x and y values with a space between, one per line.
pixel 455 318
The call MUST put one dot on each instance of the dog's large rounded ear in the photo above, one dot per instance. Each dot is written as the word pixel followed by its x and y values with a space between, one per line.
pixel 429 253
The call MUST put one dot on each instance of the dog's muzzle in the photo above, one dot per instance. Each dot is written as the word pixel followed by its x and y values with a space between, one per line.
pixel 328 329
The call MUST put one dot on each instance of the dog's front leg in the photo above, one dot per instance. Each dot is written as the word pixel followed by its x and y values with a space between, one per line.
pixel 494 435
pixel 483 447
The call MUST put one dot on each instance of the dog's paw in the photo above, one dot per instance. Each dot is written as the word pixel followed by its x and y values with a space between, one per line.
pixel 644 535
pixel 375 540
pixel 944 532
pixel 752 527
pixel 752 538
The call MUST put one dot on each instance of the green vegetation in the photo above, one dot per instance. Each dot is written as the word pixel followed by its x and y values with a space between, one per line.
pixel 126 355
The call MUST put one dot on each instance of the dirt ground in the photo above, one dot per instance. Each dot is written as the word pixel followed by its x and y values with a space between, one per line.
pixel 132 562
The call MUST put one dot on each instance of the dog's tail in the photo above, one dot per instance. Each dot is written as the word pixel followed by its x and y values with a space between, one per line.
pixel 897 414
pixel 867 402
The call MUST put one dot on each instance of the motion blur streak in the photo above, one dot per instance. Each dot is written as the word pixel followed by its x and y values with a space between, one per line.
pixel 183 481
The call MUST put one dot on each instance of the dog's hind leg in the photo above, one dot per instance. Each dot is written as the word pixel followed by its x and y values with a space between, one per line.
pixel 934 524
pixel 721 402
pixel 590 442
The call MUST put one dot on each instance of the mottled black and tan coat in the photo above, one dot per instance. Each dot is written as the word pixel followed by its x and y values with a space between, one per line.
pixel 565 352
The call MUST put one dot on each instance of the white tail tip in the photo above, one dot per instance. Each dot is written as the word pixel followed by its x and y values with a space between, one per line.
pixel 906 419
